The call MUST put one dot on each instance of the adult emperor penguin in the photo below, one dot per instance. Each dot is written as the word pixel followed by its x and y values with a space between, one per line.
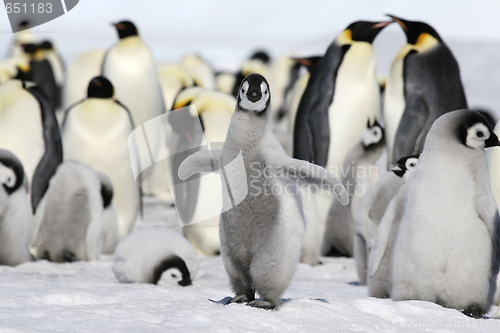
pixel 68 224
pixel 194 199
pixel 173 78
pixel 129 64
pixel 342 95
pixel 260 246
pixel 423 83
pixel 380 258
pixel 95 132
pixel 368 217
pixel 16 225
pixel 30 131
pixel 447 247
pixel 359 173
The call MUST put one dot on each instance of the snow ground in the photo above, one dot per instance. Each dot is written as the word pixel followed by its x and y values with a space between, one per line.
pixel 86 297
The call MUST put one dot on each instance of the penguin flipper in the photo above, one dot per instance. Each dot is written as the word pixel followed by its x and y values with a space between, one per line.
pixel 412 128
pixel 314 174
pixel 53 148
pixel 201 161
pixel 495 267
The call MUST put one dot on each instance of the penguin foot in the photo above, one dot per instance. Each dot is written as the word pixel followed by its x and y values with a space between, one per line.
pixel 266 305
pixel 474 311
pixel 243 298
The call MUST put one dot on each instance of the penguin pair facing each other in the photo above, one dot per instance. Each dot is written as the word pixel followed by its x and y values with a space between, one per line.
pixel 423 84
pixel 70 219
pixel 447 249
pixel 155 255
pixel 261 234
pixel 380 258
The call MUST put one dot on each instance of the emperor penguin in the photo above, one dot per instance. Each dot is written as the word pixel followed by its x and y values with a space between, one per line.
pixel 82 68
pixel 16 224
pixel 368 217
pixel 214 110
pixel 447 246
pixel 69 222
pixel 173 78
pixel 380 258
pixel 23 36
pixel 30 131
pixel 342 95
pixel 95 132
pixel 423 84
pixel 200 71
pixel 158 256
pixel 359 173
pixel 261 232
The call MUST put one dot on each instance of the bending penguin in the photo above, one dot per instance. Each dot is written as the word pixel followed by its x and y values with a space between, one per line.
pixel 380 260
pixel 260 247
pixel 359 173
pixel 423 84
pixel 30 131
pixel 155 255
pixel 96 132
pixel 69 222
pixel 447 249
pixel 16 224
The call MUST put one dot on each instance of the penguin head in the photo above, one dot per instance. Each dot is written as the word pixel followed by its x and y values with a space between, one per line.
pixel 11 171
pixel 47 45
pixel 171 271
pixel 100 87
pixel 254 94
pixel 126 29
pixel 418 33
pixel 405 165
pixel 372 135
pixel 262 56
pixel 361 31
pixel 474 131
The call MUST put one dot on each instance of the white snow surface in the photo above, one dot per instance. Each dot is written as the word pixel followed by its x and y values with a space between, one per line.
pixel 86 297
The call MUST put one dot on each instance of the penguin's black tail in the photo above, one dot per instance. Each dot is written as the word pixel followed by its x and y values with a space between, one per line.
pixel 69 256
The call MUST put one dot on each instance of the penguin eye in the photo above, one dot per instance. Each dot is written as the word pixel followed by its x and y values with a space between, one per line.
pixel 479 134
pixel 242 91
pixel 412 164
pixel 265 92
pixel 173 275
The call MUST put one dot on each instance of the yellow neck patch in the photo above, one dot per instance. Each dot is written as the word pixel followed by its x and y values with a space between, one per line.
pixel 425 42
pixel 345 37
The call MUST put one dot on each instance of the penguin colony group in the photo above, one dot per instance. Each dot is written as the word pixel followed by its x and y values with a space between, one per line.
pixel 427 228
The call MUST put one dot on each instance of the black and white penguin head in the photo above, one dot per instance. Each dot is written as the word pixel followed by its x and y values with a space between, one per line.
pixel 418 33
pixel 254 94
pixel 405 166
pixel 361 31
pixel 47 45
pixel 11 171
pixel 372 135
pixel 477 133
pixel 172 271
pixel 126 29
pixel 100 87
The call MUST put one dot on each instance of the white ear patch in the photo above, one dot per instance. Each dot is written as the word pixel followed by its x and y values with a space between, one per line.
pixel 259 105
pixel 371 136
pixel 170 277
pixel 410 165
pixel 7 176
pixel 477 134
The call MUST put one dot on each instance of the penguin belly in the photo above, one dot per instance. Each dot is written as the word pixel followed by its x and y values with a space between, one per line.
pixel 99 139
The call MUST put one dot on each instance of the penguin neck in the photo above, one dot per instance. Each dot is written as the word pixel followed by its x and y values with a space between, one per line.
pixel 246 130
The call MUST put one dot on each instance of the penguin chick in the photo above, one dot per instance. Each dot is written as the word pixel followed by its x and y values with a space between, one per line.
pixel 380 258
pixel 155 255
pixel 16 225
pixel 359 173
pixel 260 247
pixel 447 247
pixel 68 223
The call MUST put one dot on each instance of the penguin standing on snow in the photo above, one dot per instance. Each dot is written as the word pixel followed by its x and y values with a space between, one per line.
pixel 16 225
pixel 155 255
pixel 423 84
pixel 96 132
pixel 261 234
pixel 69 221
pixel 359 173
pixel 447 249
pixel 342 95
pixel 30 131
pixel 380 258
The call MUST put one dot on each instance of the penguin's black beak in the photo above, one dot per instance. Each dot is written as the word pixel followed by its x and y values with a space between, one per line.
pixel 401 22
pixel 254 94
pixel 381 25
pixel 118 26
pixel 185 282
pixel 398 171
pixel 492 141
